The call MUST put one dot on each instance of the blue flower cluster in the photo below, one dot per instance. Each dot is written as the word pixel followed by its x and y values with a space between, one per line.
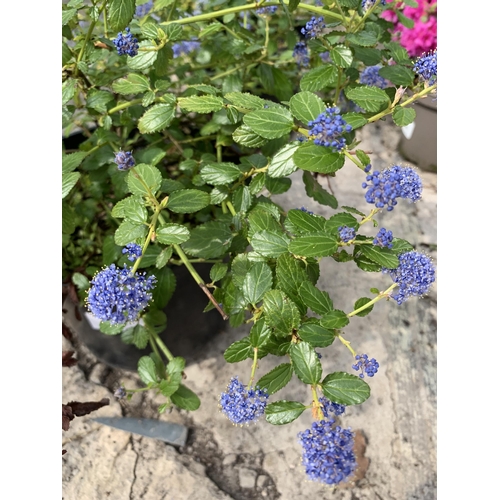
pixel 331 407
pixel 301 54
pixel 185 48
pixel 325 57
pixel 313 27
pixel 393 182
pixel 370 367
pixel 142 10
pixel 120 393
pixel 369 76
pixel 327 452
pixel 426 67
pixel 124 160
pixel 118 296
pixel 346 233
pixel 384 238
pixel 242 405
pixel 126 44
pixel 327 129
pixel 366 4
pixel 133 250
pixel 414 275
pixel 267 11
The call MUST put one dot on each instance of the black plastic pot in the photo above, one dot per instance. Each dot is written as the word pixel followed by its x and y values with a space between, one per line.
pixel 420 147
pixel 188 331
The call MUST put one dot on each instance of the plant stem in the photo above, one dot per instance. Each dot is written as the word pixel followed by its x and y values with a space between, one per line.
pixel 381 295
pixel 231 208
pixel 161 345
pixel 354 160
pixel 347 344
pixel 254 366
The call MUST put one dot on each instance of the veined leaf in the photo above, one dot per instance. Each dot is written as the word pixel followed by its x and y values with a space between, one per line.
pixel 209 240
pixel 318 78
pixel 156 118
pixel 317 300
pixel 219 174
pixel 315 158
pixel 270 123
pixel 345 389
pixel 170 234
pixel 150 175
pixel 306 106
pixel 269 244
pixel 281 313
pixel 201 104
pixel 283 412
pixel 187 201
pixel 282 163
pixel 132 84
pixel 369 98
pixel 316 335
pixel 314 245
pixel 276 379
pixel 305 363
pixel 257 282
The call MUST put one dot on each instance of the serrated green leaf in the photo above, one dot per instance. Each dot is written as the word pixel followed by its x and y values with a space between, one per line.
pixel 315 191
pixel 209 240
pixel 257 282
pixel 317 300
pixel 120 13
pixel 210 30
pixel 168 387
pixel 276 379
pixel 68 219
pixel 107 328
pixel 369 98
pixel 334 319
pixel 282 164
pixel 314 245
pixel 270 123
pixel 305 363
pixel 185 398
pixel 242 199
pixel 405 21
pixel 163 257
pixel 281 313
pixel 245 136
pixel 81 281
pixel 283 412
pixel 238 351
pixel 201 104
pixel 355 120
pixel 245 100
pixel 319 78
pixel 133 210
pixel 363 38
pixel 398 75
pixel 290 274
pixel 345 389
pixel 68 90
pixel 146 370
pixel 67 15
pixel 368 56
pixel 278 186
pixel 399 246
pixel 306 106
pixel 339 220
pixel 341 56
pixel 138 336
pixel 68 182
pixel 302 222
pixel 188 201
pixel 150 175
pixel 380 255
pixel 132 84
pixel 269 243
pixel 72 161
pixel 316 335
pixel 156 118
pixel 218 174
pixel 171 234
pixel 366 264
pixel 259 334
pixel 403 116
pixel 98 99
pixel 144 59
pixel 259 220
pixel 360 303
pixel 128 232
pixel 218 271
pixel 315 158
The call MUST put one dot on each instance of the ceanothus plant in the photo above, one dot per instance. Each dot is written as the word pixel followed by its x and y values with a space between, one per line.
pixel 194 114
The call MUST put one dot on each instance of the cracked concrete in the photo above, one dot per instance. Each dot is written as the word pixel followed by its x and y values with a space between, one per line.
pixel 222 461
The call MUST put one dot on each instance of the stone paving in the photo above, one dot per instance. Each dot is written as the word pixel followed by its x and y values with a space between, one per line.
pixel 397 425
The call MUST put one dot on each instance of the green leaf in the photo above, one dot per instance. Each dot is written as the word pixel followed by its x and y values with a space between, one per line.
pixel 245 100
pixel 133 210
pixel 150 175
pixel 107 328
pixel 360 303
pixel 405 21
pixel 315 158
pixel 168 387
pixel 68 90
pixel 156 118
pixel 371 99
pixel 293 4
pixel 368 56
pixel 380 255
pixel 144 59
pixel 188 201
pixel 173 31
pixel 290 274
pixel 259 333
pixel 355 120
pixel 209 240
pixel 67 15
pixel 171 234
pixel 319 78
pixel 81 281
pixel 132 84
pixel 317 300
pixel 403 116
pixel 282 163
pixel 334 319
pixel 68 219
pixel 146 370
pixel 306 106
pixel 270 123
pixel 302 222
pixel 278 186
pixel 398 75
pixel 260 220
pixel 128 232
pixel 269 243
pixel 163 257
pixel 120 13
pixel 315 191
pixel 238 351
pixel 305 363
pixel 314 245
pixel 275 82
pixel 316 335
pixel 339 220
pixel 363 38
pixel 71 161
pixel 283 412
pixel 341 56
pixel 276 379
pixel 220 173
pixel 257 282
pixel 185 398
pixel 245 136
pixel 281 313
pixel 98 99
pixel 68 182
pixel 218 271
pixel 345 389
pixel 366 264
pixel 242 199
pixel 201 104
pixel 138 335
pixel 399 246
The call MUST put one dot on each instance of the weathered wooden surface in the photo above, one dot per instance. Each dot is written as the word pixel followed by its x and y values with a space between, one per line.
pixel 262 461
